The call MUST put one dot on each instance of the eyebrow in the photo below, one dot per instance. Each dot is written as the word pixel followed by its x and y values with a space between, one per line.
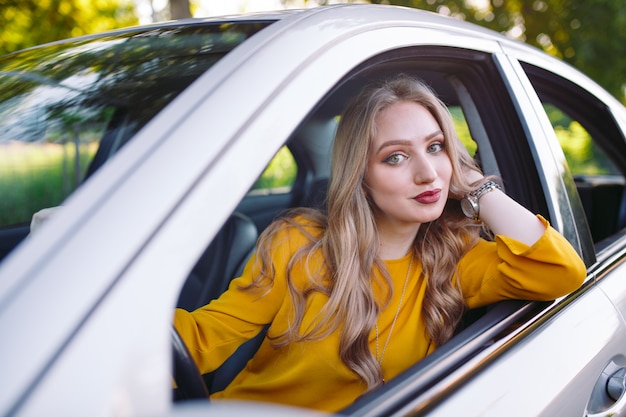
pixel 407 142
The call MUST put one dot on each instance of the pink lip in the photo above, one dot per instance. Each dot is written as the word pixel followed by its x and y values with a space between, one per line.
pixel 429 197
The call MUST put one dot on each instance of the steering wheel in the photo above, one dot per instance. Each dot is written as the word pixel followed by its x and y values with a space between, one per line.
pixel 189 382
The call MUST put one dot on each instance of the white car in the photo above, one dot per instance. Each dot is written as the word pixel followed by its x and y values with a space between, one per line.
pixel 165 130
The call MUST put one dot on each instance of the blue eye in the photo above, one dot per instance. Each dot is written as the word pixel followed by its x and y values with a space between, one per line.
pixel 436 147
pixel 395 159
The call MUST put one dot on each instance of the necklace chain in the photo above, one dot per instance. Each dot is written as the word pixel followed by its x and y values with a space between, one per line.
pixel 395 318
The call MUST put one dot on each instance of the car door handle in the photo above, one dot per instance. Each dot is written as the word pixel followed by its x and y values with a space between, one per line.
pixel 613 403
pixel 616 384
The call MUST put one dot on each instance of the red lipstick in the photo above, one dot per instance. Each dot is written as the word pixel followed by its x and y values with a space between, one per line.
pixel 429 197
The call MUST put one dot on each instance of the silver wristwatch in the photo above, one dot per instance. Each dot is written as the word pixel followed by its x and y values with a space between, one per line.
pixel 469 203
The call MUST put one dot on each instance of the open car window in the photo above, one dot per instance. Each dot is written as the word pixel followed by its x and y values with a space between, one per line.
pixel 593 146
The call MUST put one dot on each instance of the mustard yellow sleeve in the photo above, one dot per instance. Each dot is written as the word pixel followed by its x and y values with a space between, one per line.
pixel 509 269
pixel 213 332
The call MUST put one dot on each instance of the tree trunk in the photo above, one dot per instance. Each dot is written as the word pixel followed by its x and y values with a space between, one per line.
pixel 180 9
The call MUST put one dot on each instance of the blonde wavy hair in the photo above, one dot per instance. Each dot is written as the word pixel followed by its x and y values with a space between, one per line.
pixel 348 237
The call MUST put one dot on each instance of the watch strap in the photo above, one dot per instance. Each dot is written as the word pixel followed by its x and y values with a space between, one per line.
pixel 486 187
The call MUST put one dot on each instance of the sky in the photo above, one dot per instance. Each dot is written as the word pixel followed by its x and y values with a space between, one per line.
pixel 216 7
pixel 207 8
pixel 220 7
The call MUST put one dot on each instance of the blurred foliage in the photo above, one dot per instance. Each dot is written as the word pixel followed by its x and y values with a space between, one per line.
pixel 462 129
pixel 27 23
pixel 281 172
pixel 588 34
pixel 583 155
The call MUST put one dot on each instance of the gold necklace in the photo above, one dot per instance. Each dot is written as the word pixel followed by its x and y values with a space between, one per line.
pixel 395 318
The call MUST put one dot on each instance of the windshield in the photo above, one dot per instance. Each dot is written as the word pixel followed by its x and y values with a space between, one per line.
pixel 65 108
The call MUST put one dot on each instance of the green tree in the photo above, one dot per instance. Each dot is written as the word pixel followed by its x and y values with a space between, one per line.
pixel 27 23
pixel 588 34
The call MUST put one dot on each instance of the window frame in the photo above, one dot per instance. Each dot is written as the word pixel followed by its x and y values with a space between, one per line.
pixel 596 117
pixel 494 112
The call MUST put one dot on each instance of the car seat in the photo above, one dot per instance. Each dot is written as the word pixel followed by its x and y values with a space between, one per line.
pixel 222 260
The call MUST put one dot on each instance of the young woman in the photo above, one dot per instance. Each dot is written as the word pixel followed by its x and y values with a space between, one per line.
pixel 359 293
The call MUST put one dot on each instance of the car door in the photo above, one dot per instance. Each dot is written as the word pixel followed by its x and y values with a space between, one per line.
pixel 589 125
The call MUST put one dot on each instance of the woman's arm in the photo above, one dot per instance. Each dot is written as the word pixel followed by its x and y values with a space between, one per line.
pixel 527 255
pixel 505 216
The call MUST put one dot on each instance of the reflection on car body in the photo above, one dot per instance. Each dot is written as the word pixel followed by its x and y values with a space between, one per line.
pixel 166 140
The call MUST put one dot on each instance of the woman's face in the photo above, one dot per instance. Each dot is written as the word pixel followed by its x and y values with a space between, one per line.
pixel 409 171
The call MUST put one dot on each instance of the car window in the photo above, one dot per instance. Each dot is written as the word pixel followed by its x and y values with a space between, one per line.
pixel 593 147
pixel 584 156
pixel 66 108
pixel 42 171
pixel 485 121
pixel 289 180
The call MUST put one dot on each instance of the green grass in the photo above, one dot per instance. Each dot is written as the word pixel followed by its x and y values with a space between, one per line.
pixel 36 176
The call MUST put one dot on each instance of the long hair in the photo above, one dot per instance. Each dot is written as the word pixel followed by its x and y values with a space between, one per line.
pixel 349 240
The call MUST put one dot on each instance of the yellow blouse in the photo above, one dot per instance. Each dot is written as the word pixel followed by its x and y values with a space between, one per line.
pixel 311 374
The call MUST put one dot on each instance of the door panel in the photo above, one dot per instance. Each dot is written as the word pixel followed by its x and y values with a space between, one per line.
pixel 551 370
pixel 614 282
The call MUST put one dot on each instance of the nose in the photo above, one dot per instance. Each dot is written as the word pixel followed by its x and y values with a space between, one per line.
pixel 424 170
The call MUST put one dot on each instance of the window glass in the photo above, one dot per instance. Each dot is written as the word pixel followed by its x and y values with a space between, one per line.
pixel 66 108
pixel 41 172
